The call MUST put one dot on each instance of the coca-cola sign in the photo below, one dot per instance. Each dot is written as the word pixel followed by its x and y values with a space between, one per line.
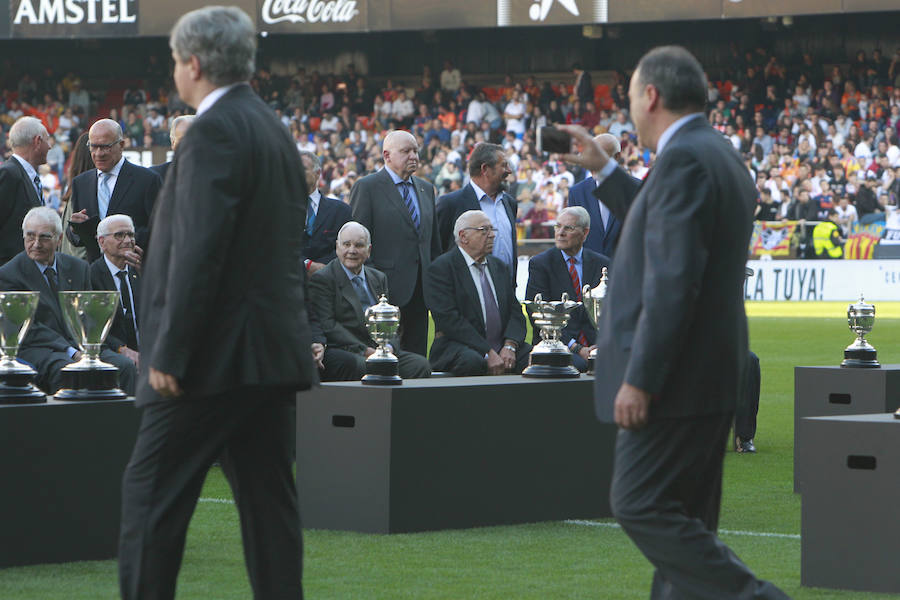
pixel 310 12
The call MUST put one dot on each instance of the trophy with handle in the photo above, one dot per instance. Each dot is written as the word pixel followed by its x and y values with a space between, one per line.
pixel 382 321
pixel 89 316
pixel 860 354
pixel 593 302
pixel 551 359
pixel 16 312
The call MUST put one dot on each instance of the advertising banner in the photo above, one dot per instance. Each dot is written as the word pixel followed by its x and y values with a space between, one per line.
pixel 312 16
pixel 73 18
pixel 801 280
pixel 551 12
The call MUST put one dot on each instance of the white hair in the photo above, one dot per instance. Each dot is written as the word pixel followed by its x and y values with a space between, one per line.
pixel 350 224
pixel 176 122
pixel 466 219
pixel 24 131
pixel 45 216
pixel 582 218
pixel 610 143
pixel 106 225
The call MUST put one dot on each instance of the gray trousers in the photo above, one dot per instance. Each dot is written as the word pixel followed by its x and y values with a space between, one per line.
pixel 666 491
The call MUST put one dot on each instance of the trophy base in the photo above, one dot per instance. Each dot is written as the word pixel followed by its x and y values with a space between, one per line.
pixel 13 392
pixel 551 365
pixel 591 361
pixel 860 358
pixel 382 372
pixel 99 383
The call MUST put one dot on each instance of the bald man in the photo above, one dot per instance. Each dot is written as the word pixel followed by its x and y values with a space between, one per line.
pixel 398 209
pixel 605 226
pixel 115 187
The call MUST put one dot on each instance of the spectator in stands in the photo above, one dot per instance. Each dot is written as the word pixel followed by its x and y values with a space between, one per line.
pixel 177 130
pixel 450 78
pixel 567 268
pixel 847 216
pixel 20 184
pixel 79 98
pixel 49 346
pixel 621 125
pixel 341 291
pixel 583 87
pixel 134 130
pixel 827 238
pixel 479 326
pixel 514 113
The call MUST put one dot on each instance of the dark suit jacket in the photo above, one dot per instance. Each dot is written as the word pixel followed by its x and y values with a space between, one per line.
pixel 548 275
pixel 330 217
pixel 222 304
pixel 48 332
pixel 398 250
pixel 600 239
pixel 673 322
pixel 451 297
pixel 161 170
pixel 339 309
pixel 452 205
pixel 102 279
pixel 17 197
pixel 134 195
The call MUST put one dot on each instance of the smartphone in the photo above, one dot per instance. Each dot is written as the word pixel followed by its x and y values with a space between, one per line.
pixel 551 139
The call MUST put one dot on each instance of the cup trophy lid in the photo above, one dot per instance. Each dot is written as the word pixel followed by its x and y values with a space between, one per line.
pixel 861 319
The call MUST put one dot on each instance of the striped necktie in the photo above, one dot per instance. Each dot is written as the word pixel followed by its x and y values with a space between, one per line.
pixel 410 202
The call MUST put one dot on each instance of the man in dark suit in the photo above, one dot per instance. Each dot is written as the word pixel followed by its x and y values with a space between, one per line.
pixel 115 235
pixel 478 321
pixel 20 184
pixel 486 191
pixel 49 345
pixel 605 226
pixel 324 217
pixel 398 209
pixel 225 342
pixel 341 292
pixel 115 187
pixel 583 86
pixel 567 268
pixel 673 333
pixel 177 130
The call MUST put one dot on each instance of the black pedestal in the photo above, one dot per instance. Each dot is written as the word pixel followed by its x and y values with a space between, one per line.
pixel 850 468
pixel 101 383
pixel 451 453
pixel 62 479
pixel 550 365
pixel 17 388
pixel 382 372
pixel 825 391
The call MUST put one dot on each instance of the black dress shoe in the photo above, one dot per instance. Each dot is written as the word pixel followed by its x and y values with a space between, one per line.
pixel 746 446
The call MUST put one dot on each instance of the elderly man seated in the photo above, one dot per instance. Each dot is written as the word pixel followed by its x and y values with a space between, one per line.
pixel 479 325
pixel 49 346
pixel 341 291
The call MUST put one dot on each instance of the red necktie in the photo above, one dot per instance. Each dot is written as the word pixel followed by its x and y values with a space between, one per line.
pixel 576 283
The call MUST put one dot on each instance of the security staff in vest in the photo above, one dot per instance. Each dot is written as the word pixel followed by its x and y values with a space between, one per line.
pixel 827 238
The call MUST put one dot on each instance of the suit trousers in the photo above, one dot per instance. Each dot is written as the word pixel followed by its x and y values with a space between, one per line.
pixel 666 490
pixel 341 365
pixel 462 361
pixel 748 406
pixel 251 432
pixel 414 322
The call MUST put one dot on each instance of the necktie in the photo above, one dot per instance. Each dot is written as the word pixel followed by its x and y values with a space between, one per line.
pixel 128 308
pixel 39 188
pixel 576 283
pixel 50 274
pixel 361 292
pixel 103 195
pixel 491 312
pixel 410 203
pixel 310 216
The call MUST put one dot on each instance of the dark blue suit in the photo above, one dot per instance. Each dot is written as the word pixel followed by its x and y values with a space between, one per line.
pixel 548 275
pixel 600 239
pixel 330 217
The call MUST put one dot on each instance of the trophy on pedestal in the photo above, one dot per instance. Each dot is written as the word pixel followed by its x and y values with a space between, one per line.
pixel 593 303
pixel 860 354
pixel 551 358
pixel 89 316
pixel 382 321
pixel 16 311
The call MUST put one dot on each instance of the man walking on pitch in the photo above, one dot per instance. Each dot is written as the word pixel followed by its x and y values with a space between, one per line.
pixel 672 340
pixel 225 337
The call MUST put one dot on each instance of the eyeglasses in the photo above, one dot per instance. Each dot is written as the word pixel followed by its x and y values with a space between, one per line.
pixel 30 236
pixel 122 235
pixel 483 229
pixel 567 228
pixel 102 147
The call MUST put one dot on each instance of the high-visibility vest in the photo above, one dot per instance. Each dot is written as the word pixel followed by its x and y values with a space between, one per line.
pixel 822 240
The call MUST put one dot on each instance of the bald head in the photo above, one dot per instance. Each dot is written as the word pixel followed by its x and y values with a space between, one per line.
pixel 401 153
pixel 610 144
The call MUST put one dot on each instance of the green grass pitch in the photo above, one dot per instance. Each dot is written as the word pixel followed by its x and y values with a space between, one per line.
pixel 538 561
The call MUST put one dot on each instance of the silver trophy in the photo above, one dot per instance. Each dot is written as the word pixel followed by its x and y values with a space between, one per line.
pixel 382 321
pixel 551 358
pixel 860 354
pixel 89 316
pixel 593 303
pixel 16 312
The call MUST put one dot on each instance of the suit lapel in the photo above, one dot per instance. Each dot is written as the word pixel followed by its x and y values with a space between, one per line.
pixel 425 208
pixel 93 207
pixel 590 269
pixel 560 270
pixel 325 209
pixel 123 182
pixel 29 185
pixel 393 194
pixel 374 285
pixel 347 290
pixel 470 199
pixel 37 281
pixel 469 290
pixel 494 266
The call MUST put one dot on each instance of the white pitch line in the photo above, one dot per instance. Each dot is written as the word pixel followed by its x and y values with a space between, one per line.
pixel 216 500
pixel 767 534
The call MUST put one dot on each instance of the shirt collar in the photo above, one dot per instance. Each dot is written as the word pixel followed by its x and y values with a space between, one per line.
pixel 566 257
pixel 213 97
pixel 315 198
pixel 471 261
pixel 480 193
pixel 672 129
pixel 113 269
pixel 114 172
pixel 43 268
pixel 29 170
pixel 396 178
pixel 351 274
